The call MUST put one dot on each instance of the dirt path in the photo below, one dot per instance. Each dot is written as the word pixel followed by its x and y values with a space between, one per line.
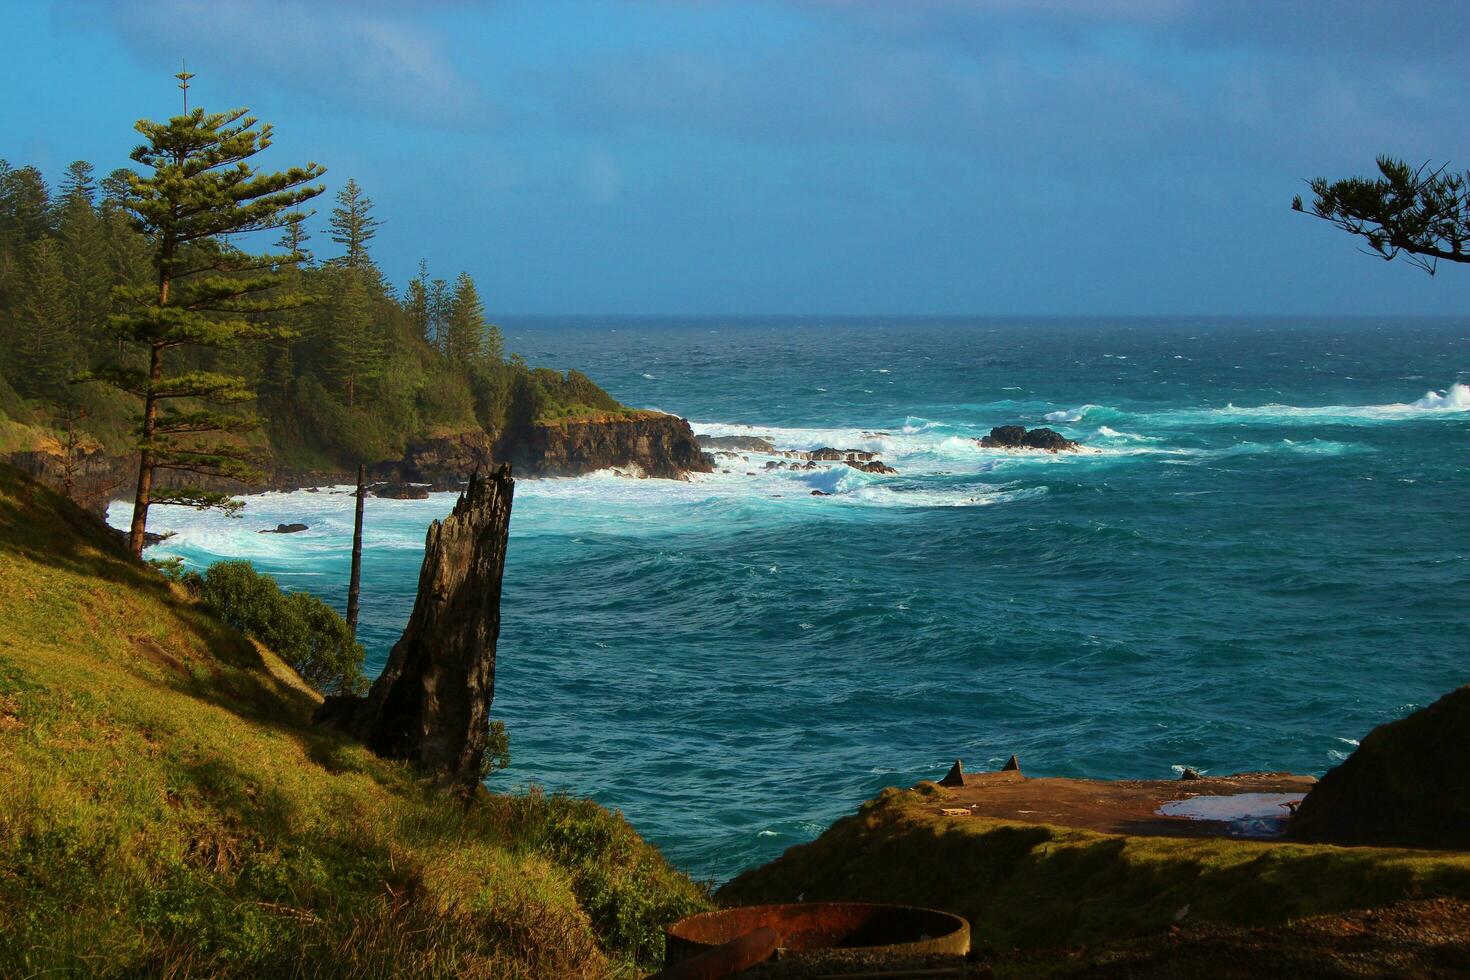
pixel 1125 806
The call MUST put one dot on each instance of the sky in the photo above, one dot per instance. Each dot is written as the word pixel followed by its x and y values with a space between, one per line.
pixel 881 157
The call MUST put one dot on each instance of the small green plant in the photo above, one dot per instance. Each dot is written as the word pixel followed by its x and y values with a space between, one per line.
pixel 305 631
pixel 497 751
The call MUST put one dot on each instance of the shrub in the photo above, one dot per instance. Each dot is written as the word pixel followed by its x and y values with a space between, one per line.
pixel 302 629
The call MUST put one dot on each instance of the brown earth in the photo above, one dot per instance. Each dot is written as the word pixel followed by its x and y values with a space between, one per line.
pixel 1124 806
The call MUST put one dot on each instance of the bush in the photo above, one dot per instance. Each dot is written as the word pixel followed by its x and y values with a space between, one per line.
pixel 302 629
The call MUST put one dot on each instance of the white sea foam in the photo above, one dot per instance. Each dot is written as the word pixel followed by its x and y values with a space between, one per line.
pixel 1069 414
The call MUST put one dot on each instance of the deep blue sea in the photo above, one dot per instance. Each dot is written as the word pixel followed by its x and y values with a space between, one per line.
pixel 1264 554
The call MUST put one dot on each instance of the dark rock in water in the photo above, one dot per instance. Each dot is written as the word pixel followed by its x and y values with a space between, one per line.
pixel 827 455
pixel 750 444
pixel 875 466
pixel 820 493
pixel 150 538
pixel 1189 773
pixel 955 776
pixel 1406 785
pixel 283 529
pixel 1017 437
pixel 313 490
pixel 401 491
pixel 431 704
pixel 1012 765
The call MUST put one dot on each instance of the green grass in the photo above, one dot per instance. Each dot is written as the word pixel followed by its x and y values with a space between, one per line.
pixel 1033 886
pixel 169 810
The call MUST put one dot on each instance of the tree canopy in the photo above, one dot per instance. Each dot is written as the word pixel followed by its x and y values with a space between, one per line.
pixel 1422 213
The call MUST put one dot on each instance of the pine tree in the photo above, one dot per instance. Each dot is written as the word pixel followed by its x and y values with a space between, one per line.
pixel 354 342
pixel 465 331
pixel 207 294
pixel 294 240
pixel 353 225
pixel 440 303
pixel 43 349
pixel 78 184
pixel 81 235
pixel 416 303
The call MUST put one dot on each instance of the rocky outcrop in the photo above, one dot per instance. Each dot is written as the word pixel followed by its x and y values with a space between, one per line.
pixel 650 443
pixel 444 459
pixel 1406 785
pixel 431 705
pixel 400 491
pixel 750 444
pixel 284 529
pixel 1017 437
pixel 872 466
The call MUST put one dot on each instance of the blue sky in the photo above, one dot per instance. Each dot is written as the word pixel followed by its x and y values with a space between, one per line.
pixel 804 156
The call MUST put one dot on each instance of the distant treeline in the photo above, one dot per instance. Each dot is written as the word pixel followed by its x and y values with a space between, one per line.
pixel 368 367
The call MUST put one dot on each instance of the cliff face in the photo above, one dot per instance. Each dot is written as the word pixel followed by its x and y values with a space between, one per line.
pixel 650 443
pixel 656 445
pixel 431 704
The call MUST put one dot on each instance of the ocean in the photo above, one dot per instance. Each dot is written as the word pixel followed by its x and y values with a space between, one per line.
pixel 1264 554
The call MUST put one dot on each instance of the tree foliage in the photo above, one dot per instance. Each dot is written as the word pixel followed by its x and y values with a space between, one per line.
pixel 208 294
pixel 1422 213
pixel 350 377
pixel 305 631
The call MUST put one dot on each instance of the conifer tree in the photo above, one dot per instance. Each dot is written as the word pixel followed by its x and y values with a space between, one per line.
pixel 416 303
pixel 355 347
pixel 353 225
pixel 81 236
pixel 468 339
pixel 293 239
pixel 440 303
pixel 43 349
pixel 78 183
pixel 207 294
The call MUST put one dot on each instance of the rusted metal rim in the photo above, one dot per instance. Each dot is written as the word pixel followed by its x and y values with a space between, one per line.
pixel 859 927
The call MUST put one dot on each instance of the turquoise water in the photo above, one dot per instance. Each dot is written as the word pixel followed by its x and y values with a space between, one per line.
pixel 1264 556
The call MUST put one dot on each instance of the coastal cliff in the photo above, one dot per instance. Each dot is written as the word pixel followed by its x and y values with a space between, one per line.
pixel 649 443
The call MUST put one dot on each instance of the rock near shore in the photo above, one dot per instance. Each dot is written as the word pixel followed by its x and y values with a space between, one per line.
pixel 1018 437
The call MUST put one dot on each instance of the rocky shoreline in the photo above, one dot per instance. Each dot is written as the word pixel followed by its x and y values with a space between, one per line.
pixel 648 444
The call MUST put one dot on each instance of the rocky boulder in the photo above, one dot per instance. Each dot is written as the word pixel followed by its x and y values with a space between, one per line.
pixel 431 705
pixel 1018 437
pixel 283 529
pixel 1406 785
pixel 401 491
pixel 749 444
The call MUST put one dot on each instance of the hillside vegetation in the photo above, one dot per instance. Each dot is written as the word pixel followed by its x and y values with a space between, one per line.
pixel 354 375
pixel 170 810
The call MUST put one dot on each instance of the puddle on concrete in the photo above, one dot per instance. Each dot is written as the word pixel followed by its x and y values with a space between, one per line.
pixel 1247 814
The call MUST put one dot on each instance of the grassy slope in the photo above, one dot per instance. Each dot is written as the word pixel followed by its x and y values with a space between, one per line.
pixel 1031 886
pixel 168 808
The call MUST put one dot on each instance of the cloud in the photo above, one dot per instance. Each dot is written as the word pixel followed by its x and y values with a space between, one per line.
pixel 374 57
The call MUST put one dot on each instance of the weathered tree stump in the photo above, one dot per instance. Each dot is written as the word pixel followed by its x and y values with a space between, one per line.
pixel 431 704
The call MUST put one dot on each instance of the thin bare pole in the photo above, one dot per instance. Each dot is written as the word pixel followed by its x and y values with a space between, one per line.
pixel 354 585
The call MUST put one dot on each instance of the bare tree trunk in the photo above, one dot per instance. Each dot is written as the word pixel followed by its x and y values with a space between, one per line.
pixel 354 584
pixel 145 455
pixel 431 704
